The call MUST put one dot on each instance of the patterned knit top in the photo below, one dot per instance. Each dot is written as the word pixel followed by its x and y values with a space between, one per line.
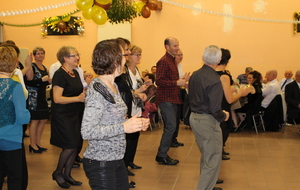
pixel 102 123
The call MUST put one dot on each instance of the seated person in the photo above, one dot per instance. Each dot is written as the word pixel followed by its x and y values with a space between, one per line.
pixel 256 92
pixel 254 95
pixel 243 77
pixel 151 88
pixel 271 89
pixel 150 92
pixel 286 80
pixel 272 102
pixel 292 98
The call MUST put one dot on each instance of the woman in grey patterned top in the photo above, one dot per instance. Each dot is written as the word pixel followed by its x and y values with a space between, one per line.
pixel 104 124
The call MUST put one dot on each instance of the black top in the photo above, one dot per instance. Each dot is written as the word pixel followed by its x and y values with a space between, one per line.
pixel 66 118
pixel 205 93
pixel 225 105
pixel 125 91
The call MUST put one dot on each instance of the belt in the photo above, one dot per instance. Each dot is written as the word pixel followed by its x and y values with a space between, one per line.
pixel 200 112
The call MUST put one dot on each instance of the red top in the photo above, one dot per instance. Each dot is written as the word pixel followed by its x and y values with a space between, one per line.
pixel 166 80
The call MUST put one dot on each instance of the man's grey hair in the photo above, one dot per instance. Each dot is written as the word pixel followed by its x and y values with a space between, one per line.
pixel 212 55
pixel 298 73
pixel 248 69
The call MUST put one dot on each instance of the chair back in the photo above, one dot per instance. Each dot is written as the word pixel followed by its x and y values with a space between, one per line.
pixel 273 116
pixel 255 107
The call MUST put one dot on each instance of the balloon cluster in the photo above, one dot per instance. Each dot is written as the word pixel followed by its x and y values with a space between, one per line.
pixel 94 9
pixel 145 6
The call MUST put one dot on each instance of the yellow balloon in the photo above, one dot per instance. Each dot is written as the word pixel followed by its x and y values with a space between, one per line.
pixel 55 19
pixel 99 15
pixel 138 6
pixel 87 14
pixel 67 18
pixel 103 2
pixel 84 4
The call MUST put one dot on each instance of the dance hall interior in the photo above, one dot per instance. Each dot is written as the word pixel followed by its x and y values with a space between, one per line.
pixel 261 34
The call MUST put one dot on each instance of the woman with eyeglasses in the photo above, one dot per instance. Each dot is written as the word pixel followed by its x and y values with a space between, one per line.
pixel 135 83
pixel 36 102
pixel 67 111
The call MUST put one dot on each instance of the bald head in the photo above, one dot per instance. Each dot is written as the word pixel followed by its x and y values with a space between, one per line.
pixel 288 74
pixel 178 57
pixel 171 45
pixel 271 75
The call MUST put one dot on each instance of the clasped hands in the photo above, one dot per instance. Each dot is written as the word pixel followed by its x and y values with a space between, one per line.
pixel 183 81
pixel 135 124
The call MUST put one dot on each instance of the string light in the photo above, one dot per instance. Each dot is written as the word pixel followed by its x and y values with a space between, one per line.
pixel 39 9
pixel 227 15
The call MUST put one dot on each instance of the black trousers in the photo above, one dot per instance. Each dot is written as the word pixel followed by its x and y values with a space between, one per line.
pixel 178 118
pixel 106 175
pixel 226 127
pixel 131 146
pixel 12 166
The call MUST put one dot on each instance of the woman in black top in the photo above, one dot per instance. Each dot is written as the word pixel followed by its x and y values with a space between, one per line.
pixel 230 95
pixel 67 111
pixel 254 80
pixel 36 102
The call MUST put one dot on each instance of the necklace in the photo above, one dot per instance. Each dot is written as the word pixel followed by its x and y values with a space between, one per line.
pixel 70 73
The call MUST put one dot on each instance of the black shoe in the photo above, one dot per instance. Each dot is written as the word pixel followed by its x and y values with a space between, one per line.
pixel 180 144
pixel 174 145
pixel 41 148
pixel 78 159
pixel 219 181
pixel 75 183
pixel 131 184
pixel 75 165
pixel 217 188
pixel 172 158
pixel 166 160
pixel 133 166
pixel 225 158
pixel 63 185
pixel 130 173
pixel 225 153
pixel 34 150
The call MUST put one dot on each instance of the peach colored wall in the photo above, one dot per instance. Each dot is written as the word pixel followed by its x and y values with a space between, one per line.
pixel 30 37
pixel 262 45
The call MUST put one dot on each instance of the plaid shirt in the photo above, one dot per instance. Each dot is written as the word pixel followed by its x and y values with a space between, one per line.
pixel 166 80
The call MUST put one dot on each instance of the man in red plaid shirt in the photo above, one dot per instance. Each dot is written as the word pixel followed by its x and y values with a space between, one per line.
pixel 168 97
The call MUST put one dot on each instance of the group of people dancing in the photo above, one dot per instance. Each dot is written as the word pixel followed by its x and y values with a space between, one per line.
pixel 107 114
pixel 107 110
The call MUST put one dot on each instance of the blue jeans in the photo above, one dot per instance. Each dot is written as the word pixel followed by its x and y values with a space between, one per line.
pixel 106 175
pixel 169 115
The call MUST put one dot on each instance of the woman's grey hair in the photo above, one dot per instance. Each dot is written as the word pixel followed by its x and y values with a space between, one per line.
pixel 212 55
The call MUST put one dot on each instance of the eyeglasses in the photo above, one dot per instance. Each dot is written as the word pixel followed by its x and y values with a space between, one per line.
pixel 75 55
pixel 138 55
pixel 39 53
